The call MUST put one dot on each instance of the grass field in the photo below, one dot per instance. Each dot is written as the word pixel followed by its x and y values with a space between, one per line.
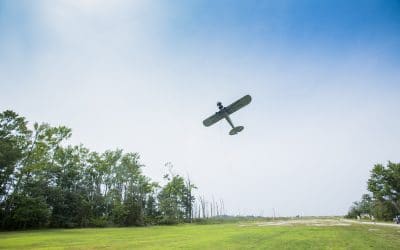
pixel 306 234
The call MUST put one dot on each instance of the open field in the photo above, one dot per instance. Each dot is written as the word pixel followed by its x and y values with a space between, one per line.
pixel 295 234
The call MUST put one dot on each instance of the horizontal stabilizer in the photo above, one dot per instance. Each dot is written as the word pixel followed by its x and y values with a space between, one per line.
pixel 236 130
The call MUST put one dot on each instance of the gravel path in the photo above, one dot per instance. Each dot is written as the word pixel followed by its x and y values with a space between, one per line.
pixel 318 222
pixel 372 223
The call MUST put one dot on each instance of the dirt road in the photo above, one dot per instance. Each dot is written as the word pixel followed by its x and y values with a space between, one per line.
pixel 372 223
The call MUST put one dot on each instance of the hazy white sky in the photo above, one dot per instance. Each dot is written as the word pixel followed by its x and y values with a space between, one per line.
pixel 142 75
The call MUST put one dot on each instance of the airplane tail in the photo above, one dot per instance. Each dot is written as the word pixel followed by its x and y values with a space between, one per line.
pixel 236 130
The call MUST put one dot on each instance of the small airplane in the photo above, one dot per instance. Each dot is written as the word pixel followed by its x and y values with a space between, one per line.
pixel 224 112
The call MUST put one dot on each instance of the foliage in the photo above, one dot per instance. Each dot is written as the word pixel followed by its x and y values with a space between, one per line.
pixel 365 206
pixel 176 199
pixel 44 182
pixel 28 212
pixel 384 185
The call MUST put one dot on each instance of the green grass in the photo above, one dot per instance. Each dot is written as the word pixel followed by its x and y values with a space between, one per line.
pixel 218 236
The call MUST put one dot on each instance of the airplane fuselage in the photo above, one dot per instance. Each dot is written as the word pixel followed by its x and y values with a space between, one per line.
pixel 222 111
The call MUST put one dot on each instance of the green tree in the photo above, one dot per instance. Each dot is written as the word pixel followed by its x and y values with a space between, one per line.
pixel 43 182
pixel 384 184
pixel 365 206
pixel 67 194
pixel 176 198
pixel 28 212
pixel 14 141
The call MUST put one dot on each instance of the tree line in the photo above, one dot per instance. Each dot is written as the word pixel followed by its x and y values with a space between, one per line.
pixel 46 183
pixel 383 199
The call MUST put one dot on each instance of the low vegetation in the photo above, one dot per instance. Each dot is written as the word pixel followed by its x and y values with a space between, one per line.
pixel 222 236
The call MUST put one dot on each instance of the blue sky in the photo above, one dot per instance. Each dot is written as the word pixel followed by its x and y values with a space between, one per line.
pixel 331 28
pixel 142 75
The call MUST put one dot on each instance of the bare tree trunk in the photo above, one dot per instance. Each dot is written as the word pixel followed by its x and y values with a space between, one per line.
pixel 203 206
pixel 199 216
pixel 222 207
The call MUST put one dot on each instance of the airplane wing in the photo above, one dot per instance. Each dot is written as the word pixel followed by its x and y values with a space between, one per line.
pixel 213 119
pixel 238 104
